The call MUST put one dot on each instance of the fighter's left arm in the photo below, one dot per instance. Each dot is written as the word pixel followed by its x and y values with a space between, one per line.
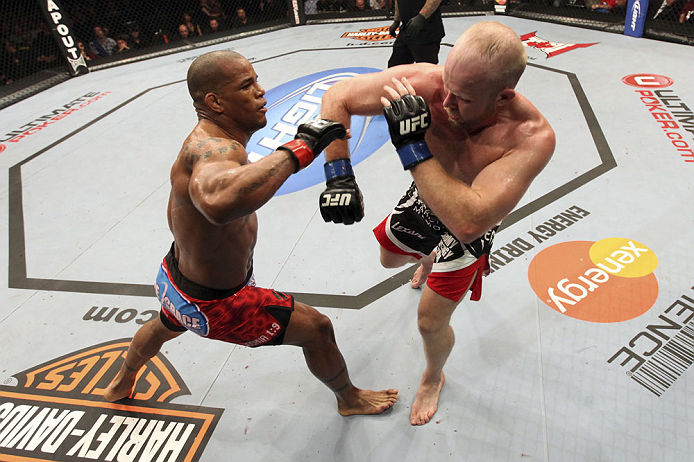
pixel 468 211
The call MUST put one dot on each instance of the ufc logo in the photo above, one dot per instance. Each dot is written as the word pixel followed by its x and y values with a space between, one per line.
pixel 413 124
pixel 331 200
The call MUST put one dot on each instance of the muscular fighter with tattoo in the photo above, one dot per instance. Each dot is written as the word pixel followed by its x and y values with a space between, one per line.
pixel 205 283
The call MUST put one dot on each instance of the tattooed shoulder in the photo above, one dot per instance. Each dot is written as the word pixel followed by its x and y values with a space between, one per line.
pixel 204 149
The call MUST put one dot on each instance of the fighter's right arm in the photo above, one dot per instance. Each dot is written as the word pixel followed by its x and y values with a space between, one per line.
pixel 224 186
pixel 361 95
pixel 342 201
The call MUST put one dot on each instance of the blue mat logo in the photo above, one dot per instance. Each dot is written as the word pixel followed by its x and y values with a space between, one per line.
pixel 299 101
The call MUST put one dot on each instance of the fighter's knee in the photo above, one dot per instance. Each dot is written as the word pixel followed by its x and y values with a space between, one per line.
pixel 323 326
pixel 393 260
pixel 430 325
pixel 387 261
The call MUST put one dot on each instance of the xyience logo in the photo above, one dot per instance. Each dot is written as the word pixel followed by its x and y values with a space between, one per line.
pixel 531 40
pixel 56 411
pixel 299 101
pixel 610 280
pixel 376 34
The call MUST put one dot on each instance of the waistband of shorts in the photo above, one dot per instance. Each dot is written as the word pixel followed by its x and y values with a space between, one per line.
pixel 194 289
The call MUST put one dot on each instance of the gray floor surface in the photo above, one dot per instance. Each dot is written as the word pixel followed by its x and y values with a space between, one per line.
pixel 555 363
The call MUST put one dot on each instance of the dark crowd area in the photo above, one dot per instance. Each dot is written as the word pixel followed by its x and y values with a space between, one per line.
pixel 110 29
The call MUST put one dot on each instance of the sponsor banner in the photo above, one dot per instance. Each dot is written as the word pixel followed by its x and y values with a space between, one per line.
pixel 375 34
pixel 56 411
pixel 635 17
pixel 673 116
pixel 62 31
pixel 550 49
pixel 57 114
pixel 293 103
pixel 549 229
pixel 607 281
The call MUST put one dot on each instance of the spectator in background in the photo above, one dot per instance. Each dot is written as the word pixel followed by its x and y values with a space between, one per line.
pixel 360 6
pixel 240 19
pixel 122 43
pixel 311 7
pixel 87 54
pixel 609 6
pixel 193 27
pixel 271 10
pixel 212 9
pixel 378 4
pixel 135 41
pixel 181 33
pixel 213 26
pixel 102 46
pixel 686 13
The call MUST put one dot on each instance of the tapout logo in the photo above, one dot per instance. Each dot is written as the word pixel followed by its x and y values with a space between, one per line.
pixel 293 103
pixel 610 280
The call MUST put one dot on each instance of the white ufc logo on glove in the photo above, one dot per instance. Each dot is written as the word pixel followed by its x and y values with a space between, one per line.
pixel 337 199
pixel 413 124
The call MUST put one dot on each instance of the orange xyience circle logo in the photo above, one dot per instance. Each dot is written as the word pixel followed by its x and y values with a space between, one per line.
pixel 610 280
pixel 648 80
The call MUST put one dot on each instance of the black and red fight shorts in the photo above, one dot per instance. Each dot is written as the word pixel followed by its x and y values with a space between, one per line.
pixel 245 315
pixel 413 229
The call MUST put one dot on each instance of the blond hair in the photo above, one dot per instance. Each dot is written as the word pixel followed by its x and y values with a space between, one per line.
pixel 497 45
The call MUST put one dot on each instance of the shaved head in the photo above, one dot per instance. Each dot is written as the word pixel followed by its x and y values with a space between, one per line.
pixel 497 47
pixel 210 71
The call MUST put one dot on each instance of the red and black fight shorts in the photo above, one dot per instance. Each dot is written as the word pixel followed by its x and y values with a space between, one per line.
pixel 245 315
pixel 413 229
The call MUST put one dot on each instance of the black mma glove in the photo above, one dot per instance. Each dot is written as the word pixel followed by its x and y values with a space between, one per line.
pixel 311 138
pixel 393 28
pixel 414 26
pixel 408 120
pixel 341 202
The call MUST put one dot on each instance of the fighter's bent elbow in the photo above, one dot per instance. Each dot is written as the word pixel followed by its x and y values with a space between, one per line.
pixel 467 232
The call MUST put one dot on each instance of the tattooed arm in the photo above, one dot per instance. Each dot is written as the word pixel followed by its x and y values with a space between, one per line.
pixel 223 185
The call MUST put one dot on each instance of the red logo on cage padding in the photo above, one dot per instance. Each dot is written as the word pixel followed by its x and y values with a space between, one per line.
pixel 531 40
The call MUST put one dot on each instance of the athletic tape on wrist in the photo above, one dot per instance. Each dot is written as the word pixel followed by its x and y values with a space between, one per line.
pixel 301 153
pixel 414 153
pixel 338 168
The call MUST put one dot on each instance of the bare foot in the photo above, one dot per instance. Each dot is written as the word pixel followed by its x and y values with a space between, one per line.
pixel 427 401
pixel 422 273
pixel 368 402
pixel 119 388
